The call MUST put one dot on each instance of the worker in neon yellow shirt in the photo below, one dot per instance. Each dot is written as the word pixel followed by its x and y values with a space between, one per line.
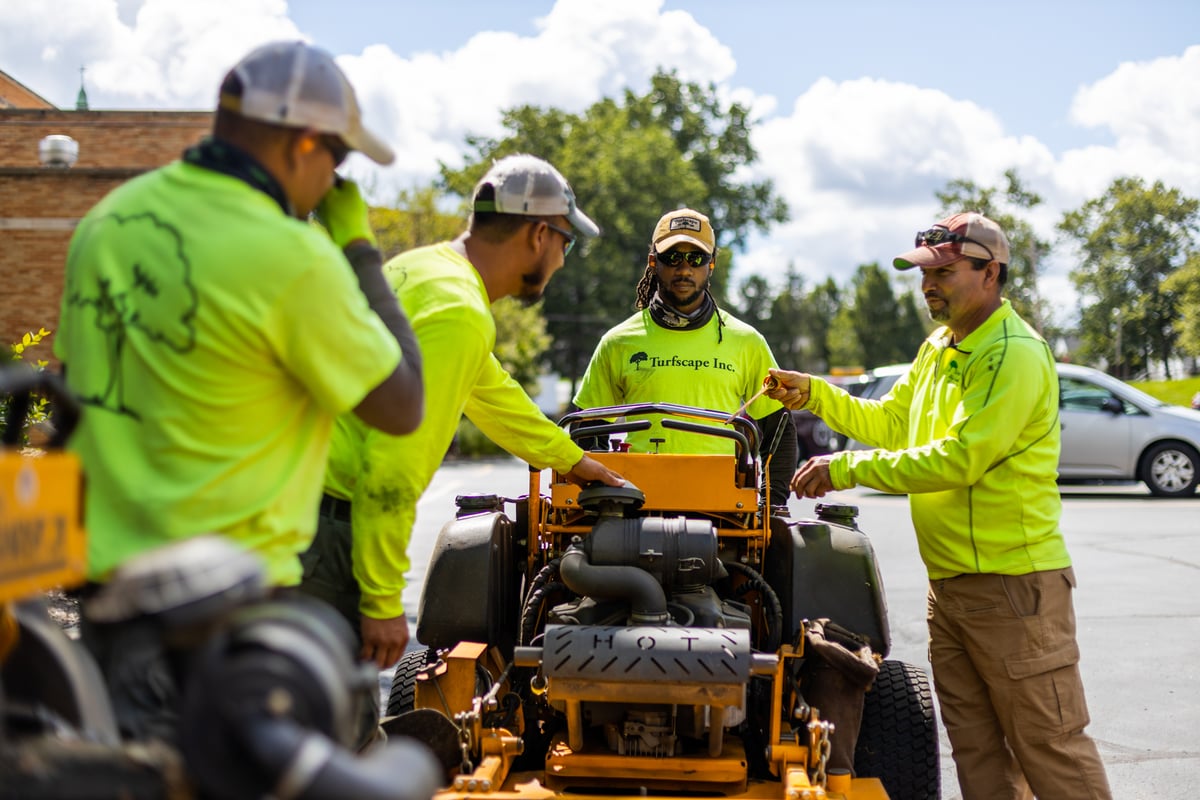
pixel 187 330
pixel 680 348
pixel 524 224
pixel 972 435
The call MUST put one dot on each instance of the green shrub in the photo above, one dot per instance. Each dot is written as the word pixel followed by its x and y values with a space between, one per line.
pixel 39 407
pixel 470 442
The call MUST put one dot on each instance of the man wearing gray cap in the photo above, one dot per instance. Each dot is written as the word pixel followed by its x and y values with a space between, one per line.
pixel 524 223
pixel 215 334
pixel 971 434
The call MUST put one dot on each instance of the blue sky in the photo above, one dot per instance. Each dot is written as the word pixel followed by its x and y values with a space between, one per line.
pixel 865 108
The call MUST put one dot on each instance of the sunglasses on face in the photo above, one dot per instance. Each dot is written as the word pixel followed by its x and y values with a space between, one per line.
pixel 337 149
pixel 935 236
pixel 676 258
pixel 566 234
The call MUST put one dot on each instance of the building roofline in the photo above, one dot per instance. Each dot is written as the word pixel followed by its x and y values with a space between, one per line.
pixel 22 86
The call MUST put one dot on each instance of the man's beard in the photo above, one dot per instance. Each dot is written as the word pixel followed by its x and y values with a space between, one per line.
pixel 533 286
pixel 680 302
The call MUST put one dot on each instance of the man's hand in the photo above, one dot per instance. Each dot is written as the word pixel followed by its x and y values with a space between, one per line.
pixel 792 388
pixel 589 469
pixel 384 640
pixel 812 479
pixel 343 212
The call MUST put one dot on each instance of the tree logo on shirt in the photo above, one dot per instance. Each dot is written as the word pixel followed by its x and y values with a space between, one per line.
pixel 141 283
pixel 637 358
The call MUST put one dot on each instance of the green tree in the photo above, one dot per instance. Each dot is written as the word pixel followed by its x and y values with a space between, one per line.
pixel 1027 251
pixel 888 329
pixel 844 347
pixel 1184 285
pixel 755 306
pixel 821 306
pixel 413 221
pixel 1130 240
pixel 630 161
pixel 521 340
pixel 783 327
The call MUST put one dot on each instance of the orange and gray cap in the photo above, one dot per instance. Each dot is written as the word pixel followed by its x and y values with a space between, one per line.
pixel 531 187
pixel 967 235
pixel 296 85
pixel 684 225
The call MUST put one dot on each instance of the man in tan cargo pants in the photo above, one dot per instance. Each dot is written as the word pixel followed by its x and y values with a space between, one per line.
pixel 971 434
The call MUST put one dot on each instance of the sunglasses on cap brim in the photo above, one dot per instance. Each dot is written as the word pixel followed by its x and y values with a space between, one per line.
pixel 935 236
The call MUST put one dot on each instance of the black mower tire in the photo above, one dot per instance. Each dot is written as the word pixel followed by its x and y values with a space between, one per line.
pixel 898 740
pixel 403 695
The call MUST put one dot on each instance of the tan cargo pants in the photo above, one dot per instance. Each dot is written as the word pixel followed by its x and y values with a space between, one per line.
pixel 1005 667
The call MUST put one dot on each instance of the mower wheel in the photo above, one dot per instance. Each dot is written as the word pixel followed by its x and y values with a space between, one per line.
pixel 403 696
pixel 898 741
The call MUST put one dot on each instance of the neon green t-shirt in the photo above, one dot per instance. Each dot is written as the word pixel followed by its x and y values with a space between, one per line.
pixel 384 476
pixel 972 435
pixel 639 361
pixel 213 339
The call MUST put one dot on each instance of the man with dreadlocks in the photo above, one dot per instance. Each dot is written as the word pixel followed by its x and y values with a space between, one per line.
pixel 680 348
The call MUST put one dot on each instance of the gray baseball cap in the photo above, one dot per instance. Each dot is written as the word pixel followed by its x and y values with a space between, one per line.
pixel 531 187
pixel 300 86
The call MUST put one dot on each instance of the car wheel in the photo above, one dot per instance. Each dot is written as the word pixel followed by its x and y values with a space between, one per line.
pixel 1171 469
pixel 822 436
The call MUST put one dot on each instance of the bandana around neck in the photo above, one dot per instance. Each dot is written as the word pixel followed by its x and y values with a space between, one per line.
pixel 666 316
pixel 223 157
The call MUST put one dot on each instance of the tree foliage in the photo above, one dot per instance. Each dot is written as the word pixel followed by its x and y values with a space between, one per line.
pixel 1184 285
pixel 630 161
pixel 1130 241
pixel 414 221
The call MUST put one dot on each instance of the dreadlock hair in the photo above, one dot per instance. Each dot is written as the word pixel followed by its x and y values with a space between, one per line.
pixel 648 285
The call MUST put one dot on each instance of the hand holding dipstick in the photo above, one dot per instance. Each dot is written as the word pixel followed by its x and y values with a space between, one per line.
pixel 769 383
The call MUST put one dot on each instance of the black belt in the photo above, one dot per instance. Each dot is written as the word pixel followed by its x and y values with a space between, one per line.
pixel 335 508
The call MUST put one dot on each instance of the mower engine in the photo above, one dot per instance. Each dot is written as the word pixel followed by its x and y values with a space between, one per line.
pixel 648 660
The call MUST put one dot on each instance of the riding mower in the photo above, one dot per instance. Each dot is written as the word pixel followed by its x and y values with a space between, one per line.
pixel 677 636
pixel 269 694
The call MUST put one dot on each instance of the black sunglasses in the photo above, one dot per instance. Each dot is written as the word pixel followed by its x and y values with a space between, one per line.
pixel 693 258
pixel 336 147
pixel 566 234
pixel 935 236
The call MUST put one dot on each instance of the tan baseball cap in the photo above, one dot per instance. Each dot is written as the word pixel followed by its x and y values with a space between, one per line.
pixel 966 235
pixel 684 225
pixel 300 86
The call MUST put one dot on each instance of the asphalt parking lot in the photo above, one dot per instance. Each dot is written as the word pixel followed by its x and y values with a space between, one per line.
pixel 1137 560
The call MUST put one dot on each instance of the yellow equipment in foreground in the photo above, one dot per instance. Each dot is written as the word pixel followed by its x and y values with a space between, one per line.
pixel 649 640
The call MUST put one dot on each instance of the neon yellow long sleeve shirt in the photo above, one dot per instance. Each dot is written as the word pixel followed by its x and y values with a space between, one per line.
pixel 972 434
pixel 384 476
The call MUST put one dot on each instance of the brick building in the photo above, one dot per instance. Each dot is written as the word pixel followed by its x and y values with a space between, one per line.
pixel 41 205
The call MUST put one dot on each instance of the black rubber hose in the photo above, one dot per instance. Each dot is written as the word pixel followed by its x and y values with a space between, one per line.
pixel 774 610
pixel 311 767
pixel 646 597
pixel 535 597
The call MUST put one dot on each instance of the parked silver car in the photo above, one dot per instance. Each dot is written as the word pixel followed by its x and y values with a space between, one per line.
pixel 1110 431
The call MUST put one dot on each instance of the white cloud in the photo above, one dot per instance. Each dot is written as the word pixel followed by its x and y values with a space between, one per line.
pixel 858 161
pixel 427 104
